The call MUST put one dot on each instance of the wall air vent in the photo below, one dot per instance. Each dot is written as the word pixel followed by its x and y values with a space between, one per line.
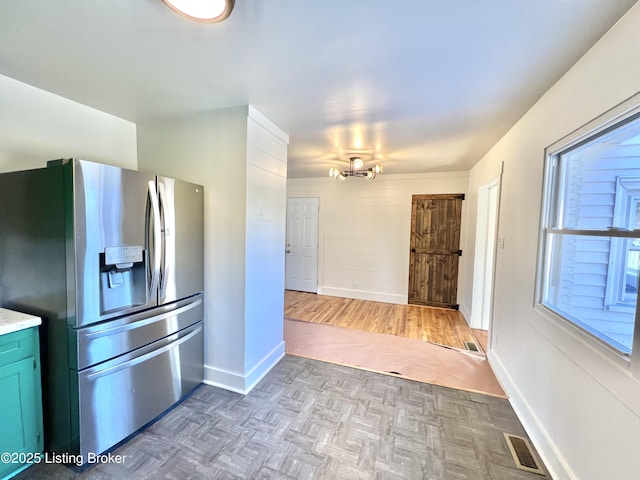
pixel 523 454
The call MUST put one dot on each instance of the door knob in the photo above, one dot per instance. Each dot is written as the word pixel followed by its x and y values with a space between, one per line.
pixel 288 251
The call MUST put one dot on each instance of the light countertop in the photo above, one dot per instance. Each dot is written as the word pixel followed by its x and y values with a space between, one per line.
pixel 11 321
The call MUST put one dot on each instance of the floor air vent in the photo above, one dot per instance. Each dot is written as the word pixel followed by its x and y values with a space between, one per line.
pixel 472 347
pixel 523 455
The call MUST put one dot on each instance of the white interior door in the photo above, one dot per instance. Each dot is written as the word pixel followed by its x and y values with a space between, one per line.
pixel 301 266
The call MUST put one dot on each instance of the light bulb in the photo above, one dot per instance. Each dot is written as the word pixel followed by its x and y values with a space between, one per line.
pixel 202 11
pixel 357 163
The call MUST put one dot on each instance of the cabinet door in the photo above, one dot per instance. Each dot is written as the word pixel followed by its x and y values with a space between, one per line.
pixel 19 411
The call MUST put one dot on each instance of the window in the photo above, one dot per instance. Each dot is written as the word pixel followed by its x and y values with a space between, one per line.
pixel 591 230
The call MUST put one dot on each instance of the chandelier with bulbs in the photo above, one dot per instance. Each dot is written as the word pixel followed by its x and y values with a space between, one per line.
pixel 355 170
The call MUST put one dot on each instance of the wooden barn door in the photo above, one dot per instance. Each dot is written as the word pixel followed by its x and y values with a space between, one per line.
pixel 435 250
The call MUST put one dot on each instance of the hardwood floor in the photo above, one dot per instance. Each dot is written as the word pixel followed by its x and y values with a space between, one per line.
pixel 434 325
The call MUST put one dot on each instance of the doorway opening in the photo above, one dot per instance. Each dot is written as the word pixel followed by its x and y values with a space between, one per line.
pixel 485 248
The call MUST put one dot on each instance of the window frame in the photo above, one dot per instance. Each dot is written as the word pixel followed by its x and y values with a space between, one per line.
pixel 552 205
pixel 627 194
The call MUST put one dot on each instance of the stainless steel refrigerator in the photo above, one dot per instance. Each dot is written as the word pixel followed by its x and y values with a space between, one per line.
pixel 112 260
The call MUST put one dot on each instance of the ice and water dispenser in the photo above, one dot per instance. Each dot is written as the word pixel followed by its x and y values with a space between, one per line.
pixel 123 279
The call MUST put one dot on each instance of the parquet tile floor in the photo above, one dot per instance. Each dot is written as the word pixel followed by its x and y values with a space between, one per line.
pixel 313 420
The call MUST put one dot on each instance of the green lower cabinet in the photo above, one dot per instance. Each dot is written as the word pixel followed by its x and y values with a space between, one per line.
pixel 20 401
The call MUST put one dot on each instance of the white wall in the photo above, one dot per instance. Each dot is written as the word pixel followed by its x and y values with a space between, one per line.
pixel 365 229
pixel 581 408
pixel 265 245
pixel 243 319
pixel 209 149
pixel 36 126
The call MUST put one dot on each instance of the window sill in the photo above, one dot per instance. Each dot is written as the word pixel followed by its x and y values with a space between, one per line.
pixel 590 341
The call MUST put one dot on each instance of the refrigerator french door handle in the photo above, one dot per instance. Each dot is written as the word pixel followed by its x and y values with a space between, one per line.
pixel 164 267
pixel 156 237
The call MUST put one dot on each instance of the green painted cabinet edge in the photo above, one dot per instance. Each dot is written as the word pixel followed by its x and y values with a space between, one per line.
pixel 20 372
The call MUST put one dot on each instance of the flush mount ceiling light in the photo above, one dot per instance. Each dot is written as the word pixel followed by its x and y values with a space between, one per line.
pixel 207 11
pixel 355 164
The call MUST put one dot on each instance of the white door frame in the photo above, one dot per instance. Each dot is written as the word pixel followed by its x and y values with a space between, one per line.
pixel 485 255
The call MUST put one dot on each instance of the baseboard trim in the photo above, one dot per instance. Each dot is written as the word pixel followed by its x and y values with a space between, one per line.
pixel 243 383
pixel 218 377
pixel 263 367
pixel 555 463
pixel 466 313
pixel 363 295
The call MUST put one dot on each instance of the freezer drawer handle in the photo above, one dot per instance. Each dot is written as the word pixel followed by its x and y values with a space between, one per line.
pixel 141 323
pixel 145 357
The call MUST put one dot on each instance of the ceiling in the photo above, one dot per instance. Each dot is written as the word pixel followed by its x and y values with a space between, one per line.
pixel 421 85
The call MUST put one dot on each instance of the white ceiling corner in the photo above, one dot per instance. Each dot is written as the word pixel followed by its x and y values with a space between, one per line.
pixel 425 85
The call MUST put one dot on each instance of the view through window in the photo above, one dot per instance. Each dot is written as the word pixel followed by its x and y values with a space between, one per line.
pixel 592 233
